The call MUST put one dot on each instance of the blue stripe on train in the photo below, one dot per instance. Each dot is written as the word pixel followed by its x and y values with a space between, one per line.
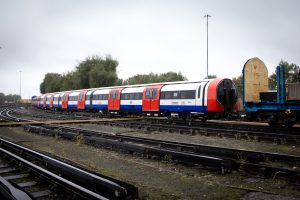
pixel 99 106
pixel 182 108
pixel 56 106
pixel 131 107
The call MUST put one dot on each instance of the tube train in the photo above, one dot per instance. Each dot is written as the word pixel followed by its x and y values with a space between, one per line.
pixel 205 99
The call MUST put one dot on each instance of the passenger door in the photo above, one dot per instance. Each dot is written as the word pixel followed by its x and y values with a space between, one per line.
pixel 81 100
pixel 114 99
pixel 151 98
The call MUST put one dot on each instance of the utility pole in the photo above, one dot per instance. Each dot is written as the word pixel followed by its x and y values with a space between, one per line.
pixel 20 83
pixel 207 16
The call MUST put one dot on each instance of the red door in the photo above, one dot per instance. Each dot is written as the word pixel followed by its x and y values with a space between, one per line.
pixel 114 99
pixel 151 98
pixel 81 100
pixel 51 102
pixel 64 102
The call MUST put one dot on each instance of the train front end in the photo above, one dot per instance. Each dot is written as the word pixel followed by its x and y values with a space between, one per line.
pixel 222 98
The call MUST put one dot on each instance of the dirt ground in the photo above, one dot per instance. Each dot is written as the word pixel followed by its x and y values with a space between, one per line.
pixel 161 179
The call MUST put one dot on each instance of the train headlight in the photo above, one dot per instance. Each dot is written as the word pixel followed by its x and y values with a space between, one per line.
pixel 288 111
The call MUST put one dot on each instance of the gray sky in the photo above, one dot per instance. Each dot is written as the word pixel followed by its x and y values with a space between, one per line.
pixel 40 36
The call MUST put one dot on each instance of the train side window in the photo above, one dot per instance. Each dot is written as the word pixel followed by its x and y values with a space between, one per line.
pixel 199 92
pixel 88 96
pixel 168 95
pixel 105 96
pixel 175 95
pixel 139 96
pixel 187 94
pixel 131 96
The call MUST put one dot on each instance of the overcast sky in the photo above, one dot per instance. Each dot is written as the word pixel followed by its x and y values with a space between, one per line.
pixel 41 36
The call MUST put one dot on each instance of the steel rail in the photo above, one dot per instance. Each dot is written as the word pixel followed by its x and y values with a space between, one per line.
pixel 82 182
pixel 224 159
pixel 225 131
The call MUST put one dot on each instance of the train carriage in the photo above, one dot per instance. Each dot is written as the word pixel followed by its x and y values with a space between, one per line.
pixel 132 100
pixel 73 101
pixel 180 98
pixel 100 100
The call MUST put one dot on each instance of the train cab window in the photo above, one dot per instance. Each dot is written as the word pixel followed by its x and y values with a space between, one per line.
pixel 199 92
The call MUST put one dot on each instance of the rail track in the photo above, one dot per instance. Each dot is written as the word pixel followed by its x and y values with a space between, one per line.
pixel 223 159
pixel 237 131
pixel 27 174
pixel 228 130
pixel 220 158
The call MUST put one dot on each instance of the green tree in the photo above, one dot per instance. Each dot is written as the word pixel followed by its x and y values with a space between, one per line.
pixel 68 82
pixel 94 71
pixel 292 74
pixel 154 78
pixel 12 97
pixel 51 83
pixel 238 84
pixel 103 72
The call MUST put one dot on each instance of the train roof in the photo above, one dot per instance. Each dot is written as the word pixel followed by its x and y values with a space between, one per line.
pixel 137 85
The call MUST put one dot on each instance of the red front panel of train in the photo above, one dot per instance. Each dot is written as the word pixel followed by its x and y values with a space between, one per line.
pixel 151 98
pixel 81 100
pixel 114 99
pixel 212 103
